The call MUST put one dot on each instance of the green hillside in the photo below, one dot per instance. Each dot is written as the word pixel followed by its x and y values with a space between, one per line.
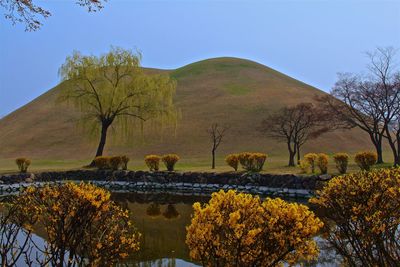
pixel 229 91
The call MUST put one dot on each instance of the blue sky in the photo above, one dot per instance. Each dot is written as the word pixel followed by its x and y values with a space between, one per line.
pixel 308 40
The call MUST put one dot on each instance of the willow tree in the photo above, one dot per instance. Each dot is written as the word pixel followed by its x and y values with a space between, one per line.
pixel 113 90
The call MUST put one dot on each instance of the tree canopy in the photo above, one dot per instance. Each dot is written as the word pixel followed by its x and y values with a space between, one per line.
pixel 112 89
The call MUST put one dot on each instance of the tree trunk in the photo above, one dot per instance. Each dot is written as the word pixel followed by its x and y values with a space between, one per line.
pixel 377 141
pixel 292 155
pixel 102 142
pixel 298 154
pixel 213 159
pixel 392 144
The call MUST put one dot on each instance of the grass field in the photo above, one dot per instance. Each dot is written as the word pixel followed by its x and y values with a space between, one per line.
pixel 277 164
pixel 232 92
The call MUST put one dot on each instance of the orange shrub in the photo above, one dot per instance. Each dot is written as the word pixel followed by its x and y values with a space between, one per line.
pixel 115 162
pixel 322 163
pixel 311 158
pixel 23 164
pixel 153 162
pixel 365 160
pixel 252 161
pixel 102 162
pixel 233 161
pixel 125 160
pixel 342 161
pixel 170 160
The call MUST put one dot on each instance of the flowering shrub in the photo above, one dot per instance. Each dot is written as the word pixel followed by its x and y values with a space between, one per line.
pixel 233 161
pixel 364 209
pixel 115 162
pixel 365 160
pixel 102 162
pixel 252 161
pixel 81 222
pixel 304 166
pixel 125 160
pixel 241 230
pixel 170 160
pixel 322 163
pixel 311 158
pixel 23 164
pixel 153 162
pixel 342 161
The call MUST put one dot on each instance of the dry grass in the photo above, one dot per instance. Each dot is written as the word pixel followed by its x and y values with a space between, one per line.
pixel 228 91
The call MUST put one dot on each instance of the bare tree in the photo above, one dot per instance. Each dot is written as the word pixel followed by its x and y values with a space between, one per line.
pixel 385 81
pixel 217 134
pixel 295 126
pixel 369 102
pixel 26 12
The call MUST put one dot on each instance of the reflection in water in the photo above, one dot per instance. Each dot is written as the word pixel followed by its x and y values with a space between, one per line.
pixel 153 210
pixel 171 212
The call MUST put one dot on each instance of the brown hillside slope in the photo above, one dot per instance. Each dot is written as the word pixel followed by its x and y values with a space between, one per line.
pixel 229 91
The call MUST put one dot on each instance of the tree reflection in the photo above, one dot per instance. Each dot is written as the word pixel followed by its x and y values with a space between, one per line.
pixel 170 212
pixel 153 210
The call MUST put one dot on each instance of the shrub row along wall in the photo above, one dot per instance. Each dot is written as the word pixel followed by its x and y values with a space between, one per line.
pixel 264 184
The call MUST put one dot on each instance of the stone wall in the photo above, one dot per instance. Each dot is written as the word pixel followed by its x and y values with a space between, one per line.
pixel 203 182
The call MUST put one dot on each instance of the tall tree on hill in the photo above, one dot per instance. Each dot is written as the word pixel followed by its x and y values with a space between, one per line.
pixel 112 90
pixel 369 102
pixel 295 126
pixel 26 12
pixel 217 134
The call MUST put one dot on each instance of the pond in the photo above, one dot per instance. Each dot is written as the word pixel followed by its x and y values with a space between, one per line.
pixel 162 218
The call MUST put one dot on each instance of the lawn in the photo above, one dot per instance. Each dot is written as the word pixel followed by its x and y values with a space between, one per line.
pixel 274 165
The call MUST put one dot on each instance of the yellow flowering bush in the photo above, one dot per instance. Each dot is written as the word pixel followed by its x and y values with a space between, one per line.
pixel 342 161
pixel 102 162
pixel 23 164
pixel 153 162
pixel 241 230
pixel 115 162
pixel 170 160
pixel 365 160
pixel 304 166
pixel 364 211
pixel 252 161
pixel 233 161
pixel 125 159
pixel 322 163
pixel 311 158
pixel 81 222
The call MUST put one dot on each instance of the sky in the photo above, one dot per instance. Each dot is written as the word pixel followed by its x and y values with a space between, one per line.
pixel 309 40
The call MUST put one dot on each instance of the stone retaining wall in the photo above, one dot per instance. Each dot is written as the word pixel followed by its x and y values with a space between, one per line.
pixel 186 182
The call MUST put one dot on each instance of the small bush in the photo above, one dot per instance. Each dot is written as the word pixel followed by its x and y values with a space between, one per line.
pixel 153 162
pixel 233 161
pixel 102 162
pixel 252 161
pixel 365 160
pixel 342 161
pixel 304 166
pixel 311 158
pixel 125 160
pixel 115 162
pixel 23 164
pixel 322 163
pixel 170 160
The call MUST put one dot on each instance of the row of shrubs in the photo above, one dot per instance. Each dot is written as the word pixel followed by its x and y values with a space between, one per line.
pixel 253 162
pixel 365 160
pixel 121 162
pixel 113 162
pixel 169 160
